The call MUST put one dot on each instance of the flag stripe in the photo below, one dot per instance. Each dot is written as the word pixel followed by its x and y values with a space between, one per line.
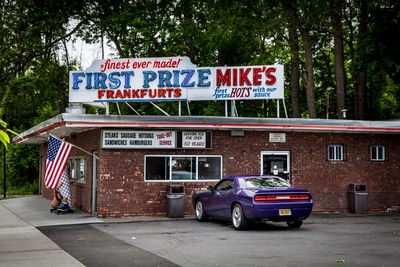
pixel 57 157
pixel 60 163
pixel 63 158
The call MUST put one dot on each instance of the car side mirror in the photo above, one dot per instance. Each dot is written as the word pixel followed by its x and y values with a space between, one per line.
pixel 210 188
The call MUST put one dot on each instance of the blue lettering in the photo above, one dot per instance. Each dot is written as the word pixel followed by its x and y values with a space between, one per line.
pixel 114 80
pixel 148 76
pixel 100 80
pixel 127 75
pixel 76 80
pixel 164 78
pixel 176 78
pixel 88 80
pixel 203 77
pixel 185 82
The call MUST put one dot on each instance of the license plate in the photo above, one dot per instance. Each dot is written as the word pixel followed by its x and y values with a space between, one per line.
pixel 285 212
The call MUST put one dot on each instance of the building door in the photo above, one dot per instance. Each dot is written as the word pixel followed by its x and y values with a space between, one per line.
pixel 276 163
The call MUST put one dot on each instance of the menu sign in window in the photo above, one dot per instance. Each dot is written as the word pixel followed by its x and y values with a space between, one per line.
pixel 138 139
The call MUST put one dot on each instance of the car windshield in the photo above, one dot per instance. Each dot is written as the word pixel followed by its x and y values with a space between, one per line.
pixel 266 182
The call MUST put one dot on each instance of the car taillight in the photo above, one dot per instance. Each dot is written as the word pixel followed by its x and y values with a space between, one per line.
pixel 281 197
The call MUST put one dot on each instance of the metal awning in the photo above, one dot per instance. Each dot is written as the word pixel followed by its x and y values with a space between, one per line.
pixel 65 124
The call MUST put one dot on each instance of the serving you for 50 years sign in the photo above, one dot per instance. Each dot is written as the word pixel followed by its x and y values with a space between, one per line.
pixel 172 79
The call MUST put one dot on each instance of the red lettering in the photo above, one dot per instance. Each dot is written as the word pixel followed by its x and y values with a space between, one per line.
pixel 161 93
pixel 243 77
pixel 170 90
pixel 152 93
pixel 127 93
pixel 165 142
pixel 100 94
pixel 234 78
pixel 248 91
pixel 177 93
pixel 118 94
pixel 224 79
pixel 135 93
pixel 110 94
pixel 143 92
pixel 256 76
pixel 271 79
pixel 240 92
pixel 104 66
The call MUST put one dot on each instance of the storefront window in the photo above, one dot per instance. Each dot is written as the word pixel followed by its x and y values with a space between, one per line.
pixel 157 168
pixel 183 168
pixel 209 168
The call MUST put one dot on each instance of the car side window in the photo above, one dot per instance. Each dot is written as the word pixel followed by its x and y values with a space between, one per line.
pixel 225 185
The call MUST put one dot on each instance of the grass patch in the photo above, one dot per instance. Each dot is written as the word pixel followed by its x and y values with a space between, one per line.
pixel 26 189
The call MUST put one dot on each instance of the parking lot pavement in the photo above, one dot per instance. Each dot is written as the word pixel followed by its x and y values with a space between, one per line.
pixel 321 241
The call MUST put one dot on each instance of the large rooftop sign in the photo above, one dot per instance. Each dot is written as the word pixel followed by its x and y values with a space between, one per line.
pixel 172 79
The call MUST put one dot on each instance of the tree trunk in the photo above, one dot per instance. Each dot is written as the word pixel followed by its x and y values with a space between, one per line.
pixel 294 72
pixel 338 57
pixel 361 80
pixel 308 75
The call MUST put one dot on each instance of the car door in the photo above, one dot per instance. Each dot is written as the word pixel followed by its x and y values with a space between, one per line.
pixel 223 198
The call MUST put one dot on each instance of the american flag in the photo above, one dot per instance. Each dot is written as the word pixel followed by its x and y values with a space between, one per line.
pixel 57 157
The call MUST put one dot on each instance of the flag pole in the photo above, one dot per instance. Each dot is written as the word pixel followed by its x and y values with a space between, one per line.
pixel 77 147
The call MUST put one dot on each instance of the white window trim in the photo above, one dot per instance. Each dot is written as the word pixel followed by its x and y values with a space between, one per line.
pixel 275 152
pixel 336 146
pixel 75 159
pixel 384 153
pixel 186 156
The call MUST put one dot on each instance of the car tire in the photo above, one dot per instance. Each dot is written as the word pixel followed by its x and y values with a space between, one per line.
pixel 201 216
pixel 239 221
pixel 294 223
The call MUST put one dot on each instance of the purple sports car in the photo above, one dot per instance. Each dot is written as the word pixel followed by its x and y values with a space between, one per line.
pixel 247 198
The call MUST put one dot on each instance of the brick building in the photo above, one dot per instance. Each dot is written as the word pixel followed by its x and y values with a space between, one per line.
pixel 140 155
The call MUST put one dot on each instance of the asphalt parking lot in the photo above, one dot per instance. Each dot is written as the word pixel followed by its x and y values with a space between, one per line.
pixel 323 240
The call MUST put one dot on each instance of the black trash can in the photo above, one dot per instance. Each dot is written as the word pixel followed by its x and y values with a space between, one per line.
pixel 175 201
pixel 358 198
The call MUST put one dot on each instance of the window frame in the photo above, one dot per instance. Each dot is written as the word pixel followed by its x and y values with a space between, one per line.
pixel 170 157
pixel 377 153
pixel 76 161
pixel 335 147
pixel 277 153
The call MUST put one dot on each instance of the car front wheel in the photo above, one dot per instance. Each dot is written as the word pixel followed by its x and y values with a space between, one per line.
pixel 201 216
pixel 238 220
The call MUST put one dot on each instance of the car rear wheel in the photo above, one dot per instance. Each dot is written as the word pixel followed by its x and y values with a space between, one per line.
pixel 294 223
pixel 201 216
pixel 238 220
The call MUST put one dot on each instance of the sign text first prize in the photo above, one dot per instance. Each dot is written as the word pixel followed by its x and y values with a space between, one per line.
pixel 172 79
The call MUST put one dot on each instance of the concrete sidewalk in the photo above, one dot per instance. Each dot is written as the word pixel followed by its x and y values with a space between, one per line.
pixel 21 244
pixel 36 211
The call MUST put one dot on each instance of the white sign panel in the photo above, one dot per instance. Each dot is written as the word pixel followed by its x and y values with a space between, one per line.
pixel 172 79
pixel 138 139
pixel 193 139
pixel 277 137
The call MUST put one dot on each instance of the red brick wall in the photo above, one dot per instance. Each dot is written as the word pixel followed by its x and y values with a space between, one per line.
pixel 123 192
